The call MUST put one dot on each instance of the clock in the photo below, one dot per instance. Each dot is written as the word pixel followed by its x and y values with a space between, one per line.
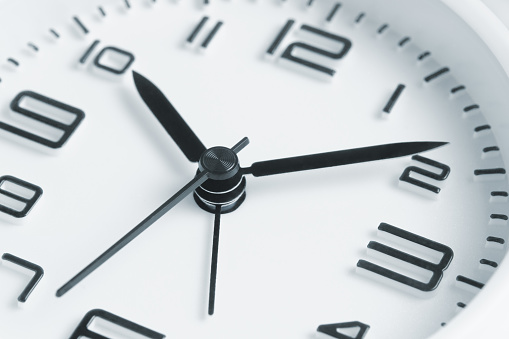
pixel 281 169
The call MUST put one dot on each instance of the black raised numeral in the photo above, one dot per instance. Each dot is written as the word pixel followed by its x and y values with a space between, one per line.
pixel 65 129
pixel 437 270
pixel 291 51
pixel 114 52
pixel 111 59
pixel 38 274
pixel 334 330
pixel 444 173
pixel 82 331
pixel 196 31
pixel 9 187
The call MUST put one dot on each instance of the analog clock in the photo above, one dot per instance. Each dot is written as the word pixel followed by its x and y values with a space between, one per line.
pixel 279 169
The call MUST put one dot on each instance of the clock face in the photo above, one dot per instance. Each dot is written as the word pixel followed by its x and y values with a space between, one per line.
pixel 388 229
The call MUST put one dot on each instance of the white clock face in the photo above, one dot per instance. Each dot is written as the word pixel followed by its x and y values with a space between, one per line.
pixel 302 253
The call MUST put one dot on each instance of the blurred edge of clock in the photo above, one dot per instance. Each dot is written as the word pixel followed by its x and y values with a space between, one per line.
pixel 486 316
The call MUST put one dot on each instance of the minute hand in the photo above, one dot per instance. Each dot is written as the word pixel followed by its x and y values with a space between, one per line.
pixel 339 158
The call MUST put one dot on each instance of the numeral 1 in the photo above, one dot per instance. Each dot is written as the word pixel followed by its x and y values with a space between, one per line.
pixel 437 270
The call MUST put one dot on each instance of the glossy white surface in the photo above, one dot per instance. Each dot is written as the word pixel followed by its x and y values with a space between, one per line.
pixel 26 33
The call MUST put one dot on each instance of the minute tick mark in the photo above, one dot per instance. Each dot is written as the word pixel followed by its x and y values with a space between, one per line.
pixel 488 263
pixel 404 41
pixel 13 61
pixel 55 34
pixel 470 108
pixel 437 74
pixel 80 24
pixel 491 149
pixel 457 89
pixel 482 128
pixel 469 281
pixel 489 171
pixel 495 240
pixel 383 28
pixel 360 17
pixel 333 12
pixel 423 55
pixel 34 47
pixel 502 217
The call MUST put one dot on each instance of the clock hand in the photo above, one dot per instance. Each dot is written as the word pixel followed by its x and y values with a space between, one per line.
pixel 208 170
pixel 169 118
pixel 213 264
pixel 339 158
pixel 131 235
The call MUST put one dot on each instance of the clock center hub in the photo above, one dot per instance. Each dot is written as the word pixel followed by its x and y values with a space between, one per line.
pixel 221 162
pixel 226 185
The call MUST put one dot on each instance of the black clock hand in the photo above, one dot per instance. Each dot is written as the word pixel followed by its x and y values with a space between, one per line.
pixel 209 169
pixel 169 118
pixel 339 158
pixel 213 263
pixel 131 235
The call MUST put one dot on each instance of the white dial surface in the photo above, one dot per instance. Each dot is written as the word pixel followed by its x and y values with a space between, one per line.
pixel 392 248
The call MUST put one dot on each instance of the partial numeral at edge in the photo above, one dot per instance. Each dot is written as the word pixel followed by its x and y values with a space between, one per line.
pixel 66 129
pixel 333 330
pixel 82 331
pixel 27 201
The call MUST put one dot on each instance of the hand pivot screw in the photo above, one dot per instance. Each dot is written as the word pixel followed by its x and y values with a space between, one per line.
pixel 226 185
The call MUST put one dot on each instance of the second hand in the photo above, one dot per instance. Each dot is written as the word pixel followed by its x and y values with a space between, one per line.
pixel 213 263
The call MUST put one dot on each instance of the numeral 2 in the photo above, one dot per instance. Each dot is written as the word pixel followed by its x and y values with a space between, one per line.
pixel 437 270
pixel 444 173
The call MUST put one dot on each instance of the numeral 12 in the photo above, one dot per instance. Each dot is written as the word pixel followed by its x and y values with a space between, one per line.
pixel 291 51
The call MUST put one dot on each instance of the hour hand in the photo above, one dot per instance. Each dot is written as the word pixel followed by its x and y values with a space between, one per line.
pixel 339 158
pixel 169 118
